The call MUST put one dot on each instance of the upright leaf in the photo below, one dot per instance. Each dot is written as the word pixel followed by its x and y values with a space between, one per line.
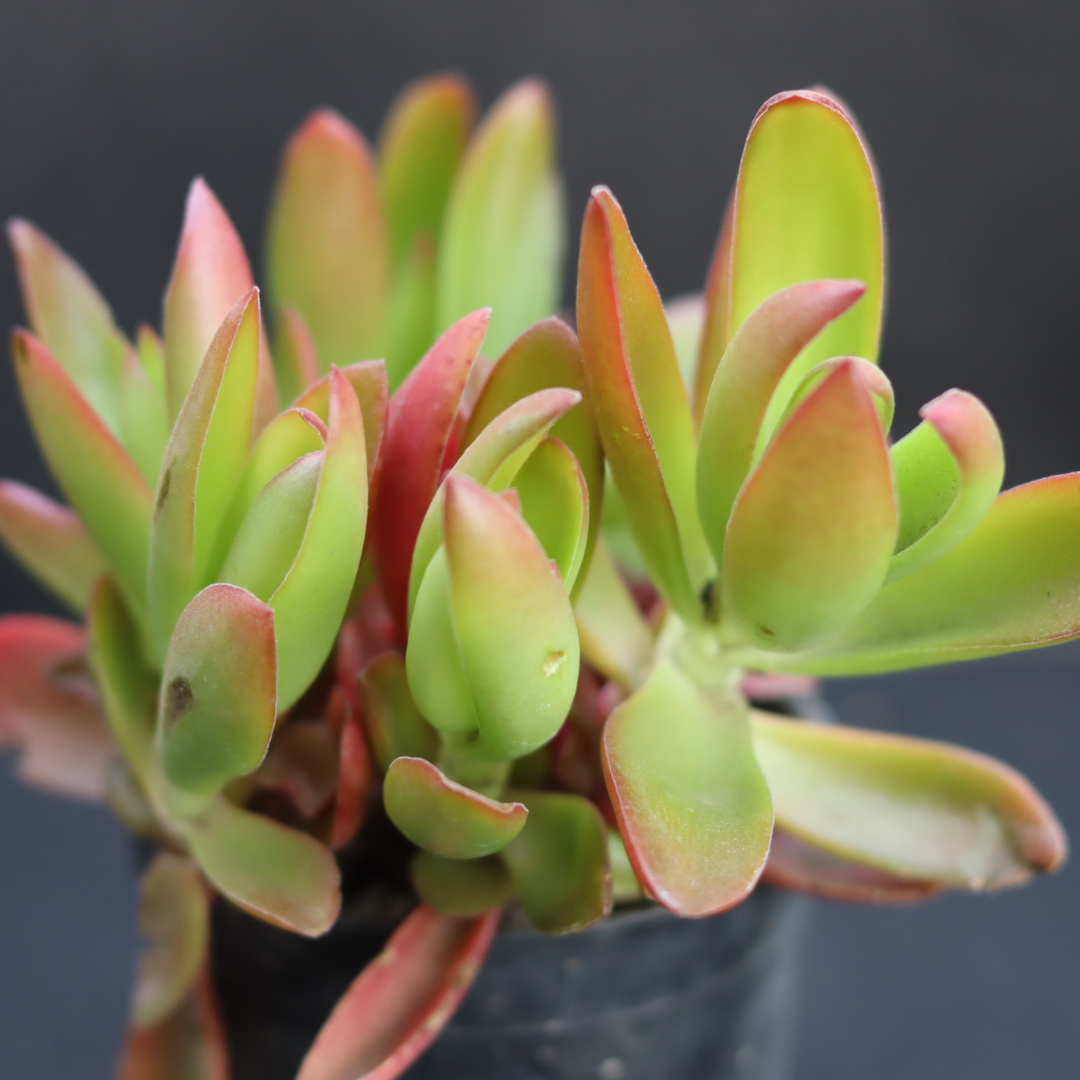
pixel 640 403
pixel 502 244
pixel 327 244
pixel 143 416
pixel 297 358
pixel 393 723
pixel 693 807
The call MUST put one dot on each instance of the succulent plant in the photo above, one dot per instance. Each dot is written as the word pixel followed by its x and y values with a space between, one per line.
pixel 521 584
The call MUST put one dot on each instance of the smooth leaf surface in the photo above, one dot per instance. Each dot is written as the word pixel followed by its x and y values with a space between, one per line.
pixel 559 862
pixel 461 887
pixel 50 541
pixel 142 416
pixel 327 245
pixel 402 1000
pixel 692 805
pixel 356 775
pixel 393 723
pixel 297 357
pixel 812 532
pixel 445 817
pixel 908 806
pixel 503 234
pixel 686 317
pixel 411 322
pixel 513 619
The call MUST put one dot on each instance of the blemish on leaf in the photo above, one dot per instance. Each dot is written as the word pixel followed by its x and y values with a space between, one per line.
pixel 553 662
pixel 179 700
pixel 767 632
pixel 163 491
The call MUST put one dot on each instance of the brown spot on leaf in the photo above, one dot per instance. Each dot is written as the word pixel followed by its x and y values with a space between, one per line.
pixel 179 699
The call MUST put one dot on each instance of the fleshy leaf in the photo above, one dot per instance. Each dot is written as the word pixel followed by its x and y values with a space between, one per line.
pixel 908 806
pixel 559 862
pixel 514 622
pixel 547 355
pixel 204 461
pixel 948 474
pixel 394 725
pixel 503 236
pixel 812 532
pixel 686 318
pixel 49 710
pixel 402 1000
pixel 356 775
pixel 50 541
pixel 210 276
pixel 174 913
pixel 693 807
pixel 805 207
pixel 302 764
pixel 297 358
pixel 273 872
pixel 461 887
pixel 143 416
pixel 70 317
pixel 746 378
pixel 418 429
pixel 640 403
pixel 327 246
pixel 94 471
pixel 445 817
pixel 310 603
pixel 615 638
pixel 1014 583
pixel 411 324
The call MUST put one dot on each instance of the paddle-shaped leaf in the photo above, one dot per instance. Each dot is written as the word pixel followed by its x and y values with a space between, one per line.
pixel 210 276
pixel 70 317
pixel 48 709
pixel 746 378
pixel 445 817
pixel 273 872
pixel 419 425
pixel 693 807
pixel 94 471
pixel 813 529
pixel 559 862
pixel 174 914
pixel 394 725
pixel 461 886
pixel 948 474
pixel 204 461
pixel 297 358
pixel 327 245
pixel 310 603
pixel 216 713
pixel 908 806
pixel 502 242
pixel 513 619
pixel 805 207
pixel 402 1000
pixel 1014 583
pixel 640 403
pixel 50 541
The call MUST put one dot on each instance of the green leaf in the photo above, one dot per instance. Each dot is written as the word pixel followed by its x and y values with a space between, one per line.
pixel 693 807
pixel 503 236
pixel 174 913
pixel 70 317
pixel 686 317
pixel 547 355
pixel 143 417
pixel 812 532
pixel 420 147
pixel 94 471
pixel 948 474
pixel 273 872
pixel 555 504
pixel 297 358
pixel 514 622
pixel 746 378
pixel 328 251
pixel 559 862
pixel 805 207
pixel 204 461
pixel 461 887
pixel 908 806
pixel 50 541
pixel 445 817
pixel 310 603
pixel 1014 583
pixel 640 403
pixel 394 724
pixel 411 324
pixel 615 638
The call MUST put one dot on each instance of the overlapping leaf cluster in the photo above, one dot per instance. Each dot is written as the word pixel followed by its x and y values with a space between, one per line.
pixel 530 580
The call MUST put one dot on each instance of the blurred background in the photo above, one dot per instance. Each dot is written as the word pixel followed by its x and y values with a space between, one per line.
pixel 107 110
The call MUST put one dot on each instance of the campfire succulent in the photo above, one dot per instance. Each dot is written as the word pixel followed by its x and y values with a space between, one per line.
pixel 531 592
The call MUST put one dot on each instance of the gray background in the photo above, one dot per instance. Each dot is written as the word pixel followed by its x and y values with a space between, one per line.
pixel 108 109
